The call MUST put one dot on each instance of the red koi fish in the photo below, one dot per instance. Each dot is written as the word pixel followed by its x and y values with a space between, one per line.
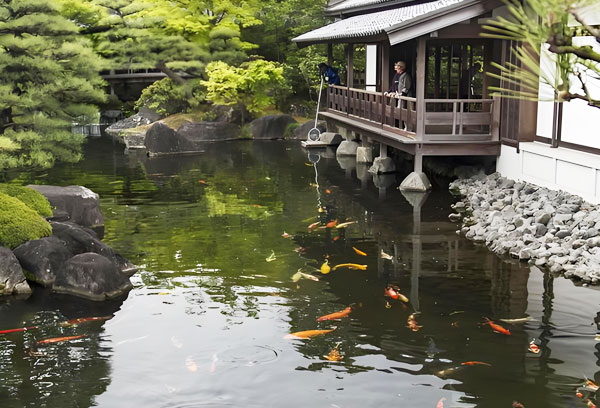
pixel 440 403
pixel 60 339
pixel 472 363
pixel 336 315
pixel 590 404
pixel 497 328
pixel 533 347
pixel 75 322
pixel 391 292
pixel 286 235
pixel 307 334
pixel 17 330
pixel 331 224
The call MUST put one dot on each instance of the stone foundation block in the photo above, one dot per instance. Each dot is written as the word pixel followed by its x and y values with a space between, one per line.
pixel 382 165
pixel 415 182
pixel 364 154
pixel 347 148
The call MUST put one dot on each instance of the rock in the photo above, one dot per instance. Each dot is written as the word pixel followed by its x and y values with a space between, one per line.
pixel 454 217
pixel 144 117
pixel 562 234
pixel 78 241
pixel 560 219
pixel 271 126
pixel 230 114
pixel 364 154
pixel 42 259
pixel 543 218
pixel 301 132
pixel 91 276
pixel 591 233
pixel 347 148
pixel 382 165
pixel 12 279
pixel 161 139
pixel 525 254
pixel 541 262
pixel 540 230
pixel 415 182
pixel 196 133
pixel 79 204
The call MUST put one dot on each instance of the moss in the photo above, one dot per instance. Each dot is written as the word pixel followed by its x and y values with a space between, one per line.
pixel 19 223
pixel 289 130
pixel 245 132
pixel 32 198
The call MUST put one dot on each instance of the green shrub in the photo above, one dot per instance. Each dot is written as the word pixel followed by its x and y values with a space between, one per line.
pixel 32 199
pixel 19 223
pixel 289 130
pixel 167 98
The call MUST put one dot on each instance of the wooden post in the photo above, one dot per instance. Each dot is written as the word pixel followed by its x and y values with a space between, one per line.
pixel 350 69
pixel 385 76
pixel 420 84
pixel 487 58
pixel 329 54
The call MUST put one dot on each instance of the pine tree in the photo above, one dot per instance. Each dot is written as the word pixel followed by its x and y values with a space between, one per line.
pixel 49 79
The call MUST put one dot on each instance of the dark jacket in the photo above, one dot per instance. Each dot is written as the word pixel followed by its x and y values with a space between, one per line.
pixel 331 76
pixel 401 83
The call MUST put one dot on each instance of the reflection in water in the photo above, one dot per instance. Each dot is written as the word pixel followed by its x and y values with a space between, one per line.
pixel 206 321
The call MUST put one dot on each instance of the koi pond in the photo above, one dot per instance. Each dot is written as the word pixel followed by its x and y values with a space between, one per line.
pixel 220 238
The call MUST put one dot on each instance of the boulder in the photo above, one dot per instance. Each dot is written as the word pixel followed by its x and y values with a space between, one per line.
pixel 75 203
pixel 301 132
pixel 12 279
pixel 331 138
pixel 347 148
pixel 382 165
pixel 196 132
pixel 144 117
pixel 91 276
pixel 364 154
pixel 270 126
pixel 415 182
pixel 42 259
pixel 161 139
pixel 77 240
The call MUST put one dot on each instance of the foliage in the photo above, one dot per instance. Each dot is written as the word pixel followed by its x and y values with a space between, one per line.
pixel 49 79
pixel 252 85
pixel 548 22
pixel 167 98
pixel 19 223
pixel 32 198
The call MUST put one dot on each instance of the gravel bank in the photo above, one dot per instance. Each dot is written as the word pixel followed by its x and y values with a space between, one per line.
pixel 552 229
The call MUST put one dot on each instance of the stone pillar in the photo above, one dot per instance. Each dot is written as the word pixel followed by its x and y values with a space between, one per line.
pixel 364 153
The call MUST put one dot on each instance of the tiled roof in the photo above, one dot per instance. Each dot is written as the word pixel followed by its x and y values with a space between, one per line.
pixel 349 4
pixel 367 25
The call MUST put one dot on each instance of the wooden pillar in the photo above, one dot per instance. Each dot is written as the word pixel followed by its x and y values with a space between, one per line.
pixel 329 54
pixel 418 167
pixel 385 76
pixel 420 85
pixel 487 58
pixel 350 69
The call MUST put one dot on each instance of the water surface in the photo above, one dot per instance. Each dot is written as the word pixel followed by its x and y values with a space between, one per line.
pixel 205 324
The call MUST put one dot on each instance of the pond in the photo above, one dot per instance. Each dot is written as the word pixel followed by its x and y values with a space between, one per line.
pixel 218 237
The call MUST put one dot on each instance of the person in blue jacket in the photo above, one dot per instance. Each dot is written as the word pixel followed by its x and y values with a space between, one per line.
pixel 329 73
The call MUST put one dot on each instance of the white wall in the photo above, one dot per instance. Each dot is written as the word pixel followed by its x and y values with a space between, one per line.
pixel 371 68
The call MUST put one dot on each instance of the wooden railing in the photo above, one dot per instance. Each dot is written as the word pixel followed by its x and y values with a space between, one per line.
pixel 442 120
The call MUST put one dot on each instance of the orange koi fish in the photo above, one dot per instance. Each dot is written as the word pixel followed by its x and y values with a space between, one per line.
pixel 17 330
pixel 412 323
pixel 497 328
pixel 202 182
pixel 331 224
pixel 336 315
pixel 591 384
pixel 327 191
pixel 359 252
pixel 75 322
pixel 334 355
pixel 472 363
pixel 578 394
pixel 313 225
pixel 391 292
pixel 440 403
pixel 351 266
pixel 60 339
pixel 336 238
pixel 534 347
pixel 307 334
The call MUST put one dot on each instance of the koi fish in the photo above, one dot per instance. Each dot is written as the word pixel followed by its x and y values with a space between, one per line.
pixel 351 266
pixel 286 235
pixel 345 224
pixel 402 297
pixel 591 384
pixel 334 355
pixel 391 292
pixel 336 315
pixel 325 268
pixel 313 225
pixel 412 323
pixel 590 404
pixel 327 191
pixel 202 182
pixel 307 334
pixel 301 275
pixel 17 330
pixel 497 328
pixel 514 321
pixel 75 322
pixel 533 347
pixel 271 257
pixel 578 394
pixel 60 339
pixel 447 371
pixel 359 252
pixel 336 238
pixel 472 363
pixel 331 224
pixel 440 403
pixel 386 256
pixel 454 324
pixel 516 404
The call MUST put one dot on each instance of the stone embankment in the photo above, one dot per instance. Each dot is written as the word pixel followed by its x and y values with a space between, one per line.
pixel 551 229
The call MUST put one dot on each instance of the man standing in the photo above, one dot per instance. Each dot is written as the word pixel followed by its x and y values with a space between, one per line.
pixel 401 83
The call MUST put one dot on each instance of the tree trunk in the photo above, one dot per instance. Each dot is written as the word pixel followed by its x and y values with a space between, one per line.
pixel 170 73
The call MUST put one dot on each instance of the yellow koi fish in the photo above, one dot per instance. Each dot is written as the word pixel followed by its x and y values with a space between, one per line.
pixel 359 252
pixel 345 224
pixel 325 268
pixel 307 334
pixel 351 266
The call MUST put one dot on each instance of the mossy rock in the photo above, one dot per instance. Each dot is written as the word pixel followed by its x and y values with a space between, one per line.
pixel 32 199
pixel 19 223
